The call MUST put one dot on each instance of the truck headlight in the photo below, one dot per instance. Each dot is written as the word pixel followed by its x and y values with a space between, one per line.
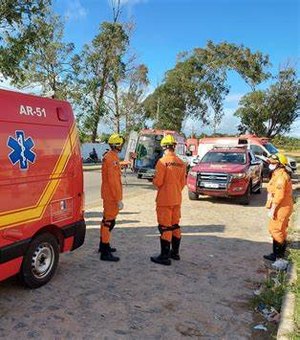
pixel 193 174
pixel 239 175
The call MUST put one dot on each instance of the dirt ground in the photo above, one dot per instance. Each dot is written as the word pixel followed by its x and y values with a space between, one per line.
pixel 206 295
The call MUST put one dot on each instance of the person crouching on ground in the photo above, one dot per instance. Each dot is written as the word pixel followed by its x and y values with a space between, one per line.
pixel 111 193
pixel 169 179
pixel 279 204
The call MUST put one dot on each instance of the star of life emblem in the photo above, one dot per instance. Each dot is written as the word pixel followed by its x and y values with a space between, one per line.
pixel 21 150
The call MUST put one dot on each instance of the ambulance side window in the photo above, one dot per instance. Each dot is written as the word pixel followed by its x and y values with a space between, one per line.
pixel 180 149
pixel 257 150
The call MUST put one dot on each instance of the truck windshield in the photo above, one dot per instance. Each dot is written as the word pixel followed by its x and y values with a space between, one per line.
pixel 148 151
pixel 224 157
pixel 271 148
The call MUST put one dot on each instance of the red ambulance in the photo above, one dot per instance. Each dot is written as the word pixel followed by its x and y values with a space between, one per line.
pixel 41 186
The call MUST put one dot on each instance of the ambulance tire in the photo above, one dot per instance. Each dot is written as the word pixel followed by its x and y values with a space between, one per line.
pixel 40 261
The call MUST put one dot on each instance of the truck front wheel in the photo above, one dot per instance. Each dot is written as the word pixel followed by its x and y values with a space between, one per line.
pixel 245 199
pixel 193 196
pixel 40 261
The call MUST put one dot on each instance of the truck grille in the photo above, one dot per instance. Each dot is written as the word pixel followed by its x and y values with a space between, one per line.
pixel 212 181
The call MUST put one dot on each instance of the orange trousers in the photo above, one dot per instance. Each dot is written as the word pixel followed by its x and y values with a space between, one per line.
pixel 110 212
pixel 279 225
pixel 167 217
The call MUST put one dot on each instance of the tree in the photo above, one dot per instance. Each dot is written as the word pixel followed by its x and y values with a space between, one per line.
pixel 249 65
pixel 96 67
pixel 49 63
pixel 197 85
pixel 132 97
pixel 18 32
pixel 273 111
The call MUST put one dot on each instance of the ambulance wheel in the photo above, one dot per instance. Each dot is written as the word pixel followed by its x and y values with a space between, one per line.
pixel 40 261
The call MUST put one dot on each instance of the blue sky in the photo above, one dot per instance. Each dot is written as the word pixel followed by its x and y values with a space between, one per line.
pixel 166 27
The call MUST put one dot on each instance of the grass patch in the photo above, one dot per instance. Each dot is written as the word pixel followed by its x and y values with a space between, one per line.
pixel 272 291
pixel 295 257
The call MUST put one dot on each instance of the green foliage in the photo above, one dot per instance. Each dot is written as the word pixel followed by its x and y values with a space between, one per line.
pixel 196 87
pixel 104 137
pixel 273 111
pixel 274 288
pixel 286 143
pixel 97 65
pixel 249 65
pixel 48 62
pixel 295 257
pixel 131 98
pixel 18 32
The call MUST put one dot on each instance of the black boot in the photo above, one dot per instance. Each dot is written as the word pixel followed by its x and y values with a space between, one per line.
pixel 163 258
pixel 174 253
pixel 112 250
pixel 276 249
pixel 106 255
pixel 281 249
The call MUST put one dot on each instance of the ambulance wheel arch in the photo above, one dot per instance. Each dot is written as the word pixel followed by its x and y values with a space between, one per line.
pixel 56 232
pixel 40 260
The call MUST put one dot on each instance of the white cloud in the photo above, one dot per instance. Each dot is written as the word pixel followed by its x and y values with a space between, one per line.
pixel 228 125
pixel 128 5
pixel 234 98
pixel 132 2
pixel 33 89
pixel 75 10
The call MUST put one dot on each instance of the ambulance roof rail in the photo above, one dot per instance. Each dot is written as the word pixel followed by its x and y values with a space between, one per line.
pixel 230 146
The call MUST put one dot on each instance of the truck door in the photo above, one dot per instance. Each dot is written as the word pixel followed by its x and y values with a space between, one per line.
pixel 131 146
pixel 255 168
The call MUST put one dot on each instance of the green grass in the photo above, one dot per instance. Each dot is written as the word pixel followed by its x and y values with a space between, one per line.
pixel 274 288
pixel 295 257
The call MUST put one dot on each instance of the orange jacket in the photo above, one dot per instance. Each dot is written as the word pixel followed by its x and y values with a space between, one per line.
pixel 111 188
pixel 280 189
pixel 170 179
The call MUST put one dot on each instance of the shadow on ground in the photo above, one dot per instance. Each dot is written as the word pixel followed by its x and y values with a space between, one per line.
pixel 206 294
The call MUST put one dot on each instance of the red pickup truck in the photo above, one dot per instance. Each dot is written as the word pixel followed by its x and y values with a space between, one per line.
pixel 226 172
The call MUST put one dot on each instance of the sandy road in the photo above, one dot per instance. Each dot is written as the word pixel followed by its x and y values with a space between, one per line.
pixel 203 296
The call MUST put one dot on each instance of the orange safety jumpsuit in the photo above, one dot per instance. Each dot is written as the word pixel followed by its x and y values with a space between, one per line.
pixel 281 194
pixel 111 193
pixel 170 179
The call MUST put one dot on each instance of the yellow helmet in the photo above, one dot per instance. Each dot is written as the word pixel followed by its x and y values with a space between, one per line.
pixel 116 140
pixel 279 158
pixel 168 140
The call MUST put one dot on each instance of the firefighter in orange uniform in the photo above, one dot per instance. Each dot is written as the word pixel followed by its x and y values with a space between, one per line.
pixel 170 179
pixel 279 203
pixel 111 193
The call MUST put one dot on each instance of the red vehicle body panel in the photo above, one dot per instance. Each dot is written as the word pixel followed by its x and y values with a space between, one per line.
pixel 192 145
pixel 235 186
pixel 41 180
pixel 253 139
